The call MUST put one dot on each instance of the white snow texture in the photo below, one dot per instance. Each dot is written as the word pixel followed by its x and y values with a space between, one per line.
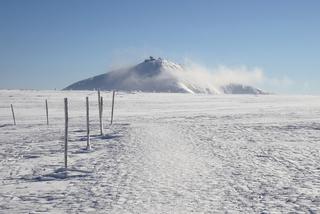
pixel 165 153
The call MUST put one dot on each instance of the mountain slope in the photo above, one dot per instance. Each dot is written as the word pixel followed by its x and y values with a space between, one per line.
pixel 147 76
pixel 240 89
pixel 156 75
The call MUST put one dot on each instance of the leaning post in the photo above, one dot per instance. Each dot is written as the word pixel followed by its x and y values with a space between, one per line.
pixel 47 113
pixel 99 107
pixel 88 124
pixel 101 113
pixel 113 93
pixel 99 101
pixel 66 133
pixel 14 118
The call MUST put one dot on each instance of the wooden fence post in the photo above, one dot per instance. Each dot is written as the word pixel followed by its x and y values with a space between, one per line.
pixel 99 106
pixel 88 125
pixel 113 93
pixel 14 118
pixel 66 133
pixel 99 101
pixel 47 112
pixel 101 113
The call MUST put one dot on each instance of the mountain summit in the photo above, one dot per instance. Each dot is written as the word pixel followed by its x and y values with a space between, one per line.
pixel 157 75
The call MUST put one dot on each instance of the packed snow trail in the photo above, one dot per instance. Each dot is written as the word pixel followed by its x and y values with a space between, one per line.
pixel 166 153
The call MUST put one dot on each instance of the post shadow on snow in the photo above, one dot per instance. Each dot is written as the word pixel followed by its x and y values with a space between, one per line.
pixel 115 133
pixel 72 173
pixel 110 127
pixel 121 124
pixel 5 125
pixel 107 136
pixel 93 138
pixel 59 174
pixel 24 125
pixel 83 151
pixel 290 127
pixel 30 156
pixel 312 126
pixel 79 130
pixel 107 126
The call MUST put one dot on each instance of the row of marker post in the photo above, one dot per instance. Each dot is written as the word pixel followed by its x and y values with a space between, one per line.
pixel 100 111
pixel 100 107
pixel 14 118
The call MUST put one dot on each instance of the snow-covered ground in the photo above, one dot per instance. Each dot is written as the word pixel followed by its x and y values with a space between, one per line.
pixel 165 153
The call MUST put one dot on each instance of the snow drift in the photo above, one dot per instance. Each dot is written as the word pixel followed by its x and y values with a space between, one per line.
pixel 160 75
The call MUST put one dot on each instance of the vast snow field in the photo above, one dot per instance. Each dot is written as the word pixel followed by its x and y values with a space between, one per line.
pixel 165 153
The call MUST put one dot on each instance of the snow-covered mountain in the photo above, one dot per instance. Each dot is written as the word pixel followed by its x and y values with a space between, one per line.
pixel 240 89
pixel 157 75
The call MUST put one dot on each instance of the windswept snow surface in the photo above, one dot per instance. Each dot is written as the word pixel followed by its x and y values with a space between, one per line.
pixel 165 153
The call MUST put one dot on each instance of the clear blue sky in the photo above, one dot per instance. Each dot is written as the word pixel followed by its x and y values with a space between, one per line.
pixel 50 44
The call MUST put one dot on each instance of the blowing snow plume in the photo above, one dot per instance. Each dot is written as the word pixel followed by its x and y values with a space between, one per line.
pixel 160 75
